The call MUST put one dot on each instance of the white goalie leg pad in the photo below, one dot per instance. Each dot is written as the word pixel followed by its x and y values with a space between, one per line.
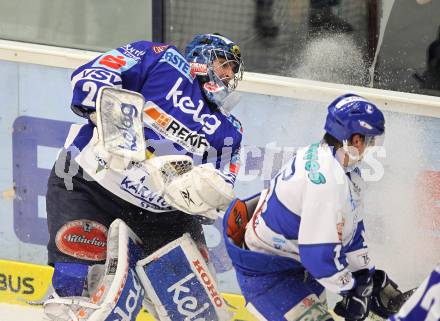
pixel 119 121
pixel 117 295
pixel 201 191
pixel 178 282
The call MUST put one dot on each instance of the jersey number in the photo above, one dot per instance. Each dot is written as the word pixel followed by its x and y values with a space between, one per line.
pixel 431 303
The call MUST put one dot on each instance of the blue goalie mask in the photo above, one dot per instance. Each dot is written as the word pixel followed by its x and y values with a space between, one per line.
pixel 202 52
pixel 351 114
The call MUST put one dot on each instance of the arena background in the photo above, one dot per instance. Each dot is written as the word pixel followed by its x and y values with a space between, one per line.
pixel 402 208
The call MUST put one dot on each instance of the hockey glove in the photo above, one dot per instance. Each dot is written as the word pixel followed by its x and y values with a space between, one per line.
pixel 200 191
pixel 355 305
pixel 237 221
pixel 387 298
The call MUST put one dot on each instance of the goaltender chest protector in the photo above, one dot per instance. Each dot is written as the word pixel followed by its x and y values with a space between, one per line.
pixel 177 111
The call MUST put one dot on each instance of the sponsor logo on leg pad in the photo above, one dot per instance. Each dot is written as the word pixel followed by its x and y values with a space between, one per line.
pixel 83 239
pixel 178 282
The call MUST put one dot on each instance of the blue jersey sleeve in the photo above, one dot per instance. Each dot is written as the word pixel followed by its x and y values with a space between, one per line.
pixel 227 157
pixel 125 67
pixel 230 171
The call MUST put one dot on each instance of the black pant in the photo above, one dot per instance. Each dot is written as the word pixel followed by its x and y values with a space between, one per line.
pixel 90 201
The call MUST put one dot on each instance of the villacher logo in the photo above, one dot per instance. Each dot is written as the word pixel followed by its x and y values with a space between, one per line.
pixel 83 239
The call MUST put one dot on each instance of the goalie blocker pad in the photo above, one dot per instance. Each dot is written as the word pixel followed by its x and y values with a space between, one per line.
pixel 119 121
pixel 177 280
pixel 118 294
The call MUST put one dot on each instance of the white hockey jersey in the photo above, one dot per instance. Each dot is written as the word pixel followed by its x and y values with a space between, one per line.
pixel 312 213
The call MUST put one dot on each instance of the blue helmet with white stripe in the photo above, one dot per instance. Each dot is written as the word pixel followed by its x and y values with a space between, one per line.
pixel 351 114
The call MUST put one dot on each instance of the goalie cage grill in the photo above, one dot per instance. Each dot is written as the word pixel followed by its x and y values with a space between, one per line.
pixel 172 169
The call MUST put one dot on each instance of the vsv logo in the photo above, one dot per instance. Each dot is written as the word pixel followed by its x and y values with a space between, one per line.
pixel 125 313
pixel 187 305
pixel 185 103
pixel 104 76
pixel 128 133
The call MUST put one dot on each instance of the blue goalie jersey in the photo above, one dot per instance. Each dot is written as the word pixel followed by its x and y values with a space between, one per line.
pixel 178 119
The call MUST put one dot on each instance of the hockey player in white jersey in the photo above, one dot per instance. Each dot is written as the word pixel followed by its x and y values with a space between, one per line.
pixel 305 232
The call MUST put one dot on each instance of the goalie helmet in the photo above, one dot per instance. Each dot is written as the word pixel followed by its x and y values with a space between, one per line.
pixel 201 53
pixel 351 114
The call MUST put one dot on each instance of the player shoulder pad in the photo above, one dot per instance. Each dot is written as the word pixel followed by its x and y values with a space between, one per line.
pixel 151 48
pixel 170 56
pixel 158 48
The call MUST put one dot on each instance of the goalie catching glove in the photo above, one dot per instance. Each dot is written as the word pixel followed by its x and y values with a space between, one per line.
pixel 201 191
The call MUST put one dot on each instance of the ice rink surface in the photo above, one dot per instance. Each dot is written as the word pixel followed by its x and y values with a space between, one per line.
pixel 12 312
